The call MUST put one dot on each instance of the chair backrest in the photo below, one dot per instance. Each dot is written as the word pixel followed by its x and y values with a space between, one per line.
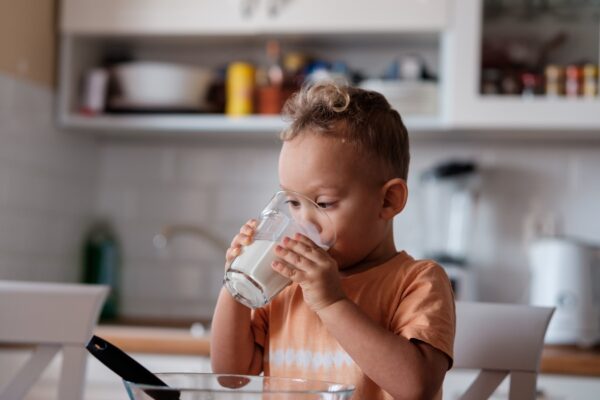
pixel 500 340
pixel 51 317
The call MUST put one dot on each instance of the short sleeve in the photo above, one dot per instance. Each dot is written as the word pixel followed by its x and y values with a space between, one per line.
pixel 259 324
pixel 426 310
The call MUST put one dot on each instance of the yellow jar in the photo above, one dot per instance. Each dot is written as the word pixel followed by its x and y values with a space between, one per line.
pixel 239 98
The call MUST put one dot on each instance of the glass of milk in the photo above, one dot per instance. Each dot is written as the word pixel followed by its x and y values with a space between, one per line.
pixel 250 278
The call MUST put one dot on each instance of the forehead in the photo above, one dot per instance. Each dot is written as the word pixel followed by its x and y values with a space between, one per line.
pixel 311 161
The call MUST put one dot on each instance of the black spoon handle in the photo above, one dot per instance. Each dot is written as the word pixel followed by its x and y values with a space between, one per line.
pixel 127 368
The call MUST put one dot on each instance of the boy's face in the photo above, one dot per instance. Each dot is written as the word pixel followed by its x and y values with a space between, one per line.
pixel 342 182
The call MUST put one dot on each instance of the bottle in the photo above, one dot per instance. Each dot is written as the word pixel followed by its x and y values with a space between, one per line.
pixel 590 80
pixel 574 81
pixel 555 80
pixel 101 264
pixel 270 97
pixel 274 68
pixel 239 89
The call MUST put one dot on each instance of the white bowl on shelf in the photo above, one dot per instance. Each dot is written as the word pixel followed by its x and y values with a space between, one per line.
pixel 160 85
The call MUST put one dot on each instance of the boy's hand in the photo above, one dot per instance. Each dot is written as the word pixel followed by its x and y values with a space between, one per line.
pixel 305 263
pixel 244 238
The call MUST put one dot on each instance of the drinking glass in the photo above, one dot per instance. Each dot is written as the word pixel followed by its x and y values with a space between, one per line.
pixel 250 278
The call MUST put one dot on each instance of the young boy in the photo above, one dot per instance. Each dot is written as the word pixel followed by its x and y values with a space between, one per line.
pixel 361 312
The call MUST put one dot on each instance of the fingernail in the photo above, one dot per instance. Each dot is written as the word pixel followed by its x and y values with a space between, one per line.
pixel 286 239
pixel 278 248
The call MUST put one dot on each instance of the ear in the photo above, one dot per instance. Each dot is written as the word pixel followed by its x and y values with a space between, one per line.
pixel 395 194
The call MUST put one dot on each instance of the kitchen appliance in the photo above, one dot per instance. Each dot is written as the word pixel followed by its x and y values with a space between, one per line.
pixel 565 273
pixel 449 196
pixel 141 384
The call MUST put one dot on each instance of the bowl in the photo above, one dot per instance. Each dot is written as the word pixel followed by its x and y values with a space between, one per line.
pixel 204 386
pixel 149 84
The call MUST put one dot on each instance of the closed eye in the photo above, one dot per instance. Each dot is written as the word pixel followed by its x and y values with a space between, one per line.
pixel 325 205
pixel 293 203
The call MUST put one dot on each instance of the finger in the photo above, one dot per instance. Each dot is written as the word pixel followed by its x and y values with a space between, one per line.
pixel 295 259
pixel 305 247
pixel 251 224
pixel 248 229
pixel 241 240
pixel 309 242
pixel 232 253
pixel 288 270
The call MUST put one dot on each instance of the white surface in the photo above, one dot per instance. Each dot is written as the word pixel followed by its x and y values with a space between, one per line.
pixel 207 125
pixel 50 313
pixel 489 337
pixel 553 387
pixel 250 17
pixel 51 317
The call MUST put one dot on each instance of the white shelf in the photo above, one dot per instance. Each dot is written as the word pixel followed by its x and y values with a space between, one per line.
pixel 205 125
pixel 539 112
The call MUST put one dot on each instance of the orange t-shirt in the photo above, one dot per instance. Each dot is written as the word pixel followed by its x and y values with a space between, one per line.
pixel 410 298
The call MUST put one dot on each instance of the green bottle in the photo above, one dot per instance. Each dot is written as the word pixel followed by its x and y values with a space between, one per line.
pixel 101 264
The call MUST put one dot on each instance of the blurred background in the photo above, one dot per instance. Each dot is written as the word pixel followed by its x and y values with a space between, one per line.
pixel 137 136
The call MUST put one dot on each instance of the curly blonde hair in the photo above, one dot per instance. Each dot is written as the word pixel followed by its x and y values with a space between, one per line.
pixel 360 117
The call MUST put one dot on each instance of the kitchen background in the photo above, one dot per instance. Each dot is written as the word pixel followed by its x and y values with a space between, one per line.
pixel 55 183
pixel 493 91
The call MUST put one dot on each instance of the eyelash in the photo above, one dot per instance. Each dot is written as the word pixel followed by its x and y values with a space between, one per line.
pixel 295 203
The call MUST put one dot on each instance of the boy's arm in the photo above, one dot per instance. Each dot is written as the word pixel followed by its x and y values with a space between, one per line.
pixel 403 368
pixel 232 346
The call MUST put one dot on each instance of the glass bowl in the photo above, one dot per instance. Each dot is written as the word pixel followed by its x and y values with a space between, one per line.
pixel 205 386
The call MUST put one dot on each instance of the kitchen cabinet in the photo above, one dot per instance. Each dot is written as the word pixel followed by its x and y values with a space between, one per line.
pixel 193 17
pixel 157 17
pixel 368 35
pixel 326 16
pixel 464 104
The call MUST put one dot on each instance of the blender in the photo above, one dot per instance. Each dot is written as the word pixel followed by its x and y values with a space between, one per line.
pixel 449 196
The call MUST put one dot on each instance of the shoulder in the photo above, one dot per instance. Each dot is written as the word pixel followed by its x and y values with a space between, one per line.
pixel 408 269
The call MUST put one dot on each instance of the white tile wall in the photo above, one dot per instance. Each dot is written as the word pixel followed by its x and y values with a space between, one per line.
pixel 145 185
pixel 47 183
pixel 522 180
pixel 52 183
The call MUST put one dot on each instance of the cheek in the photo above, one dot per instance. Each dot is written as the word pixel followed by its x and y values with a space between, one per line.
pixel 355 224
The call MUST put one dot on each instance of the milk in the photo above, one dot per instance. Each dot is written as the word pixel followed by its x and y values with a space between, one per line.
pixel 255 261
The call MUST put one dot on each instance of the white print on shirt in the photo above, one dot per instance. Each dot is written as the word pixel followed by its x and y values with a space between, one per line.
pixel 306 359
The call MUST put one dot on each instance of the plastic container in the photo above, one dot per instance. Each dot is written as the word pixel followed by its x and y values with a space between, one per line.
pixel 204 386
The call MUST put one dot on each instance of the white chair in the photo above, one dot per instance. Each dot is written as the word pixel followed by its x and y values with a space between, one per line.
pixel 500 340
pixel 50 317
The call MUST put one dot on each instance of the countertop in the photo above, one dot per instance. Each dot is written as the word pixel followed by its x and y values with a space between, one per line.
pixel 564 360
